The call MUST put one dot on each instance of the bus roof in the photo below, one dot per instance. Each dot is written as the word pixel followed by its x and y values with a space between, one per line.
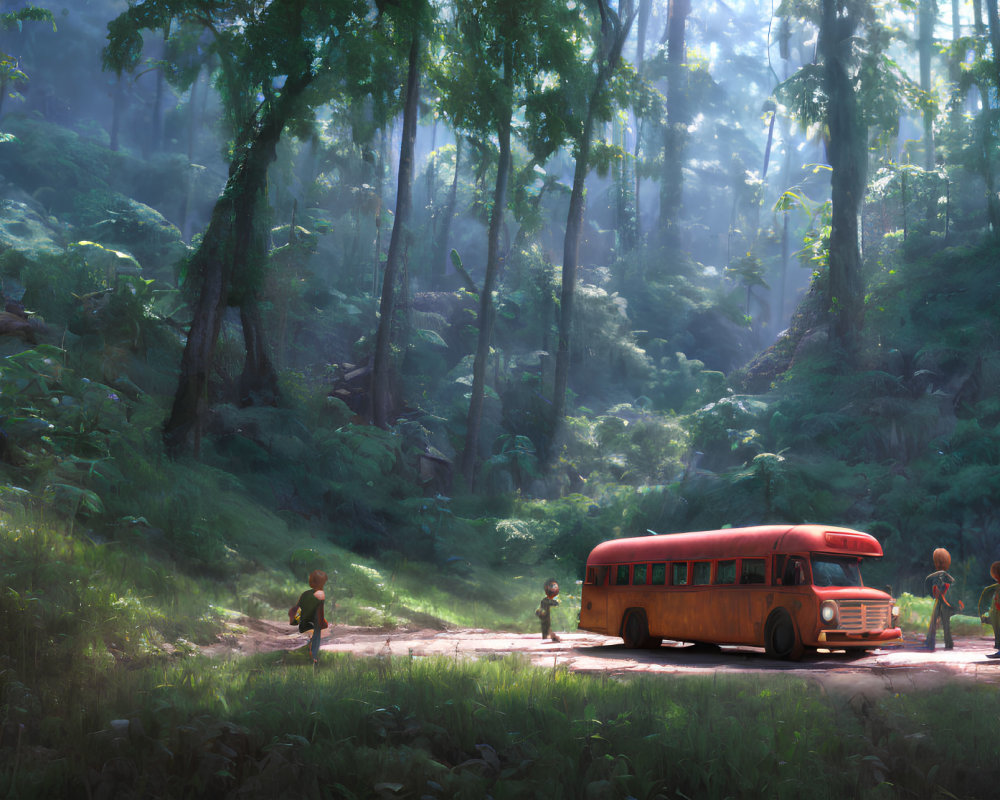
pixel 761 540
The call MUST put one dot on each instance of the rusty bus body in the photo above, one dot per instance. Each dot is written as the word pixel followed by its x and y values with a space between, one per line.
pixel 780 587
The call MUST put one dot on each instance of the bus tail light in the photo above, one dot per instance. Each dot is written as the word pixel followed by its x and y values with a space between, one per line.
pixel 828 612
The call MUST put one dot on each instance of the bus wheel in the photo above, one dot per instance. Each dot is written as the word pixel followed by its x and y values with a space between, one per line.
pixel 635 630
pixel 780 638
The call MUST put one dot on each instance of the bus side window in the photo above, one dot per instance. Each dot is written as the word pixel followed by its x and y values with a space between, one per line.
pixel 701 573
pixel 752 570
pixel 639 575
pixel 597 575
pixel 658 574
pixel 725 572
pixel 679 574
pixel 621 578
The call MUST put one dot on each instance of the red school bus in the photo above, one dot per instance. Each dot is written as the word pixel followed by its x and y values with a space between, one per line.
pixel 780 587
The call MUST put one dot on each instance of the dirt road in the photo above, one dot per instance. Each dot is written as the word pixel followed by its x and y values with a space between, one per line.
pixel 879 671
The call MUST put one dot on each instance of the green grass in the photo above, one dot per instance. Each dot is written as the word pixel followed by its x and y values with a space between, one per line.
pixel 272 726
pixel 398 592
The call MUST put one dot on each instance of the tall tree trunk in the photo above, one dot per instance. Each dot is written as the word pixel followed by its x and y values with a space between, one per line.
pixel 230 240
pixel 432 170
pixel 259 381
pixel 994 28
pixel 381 394
pixel 675 134
pixel 925 17
pixel 784 37
pixel 117 104
pixel 380 174
pixel 786 171
pixel 988 143
pixel 571 257
pixel 624 205
pixel 955 61
pixel 156 124
pixel 486 309
pixel 615 32
pixel 848 155
pixel 642 27
pixel 440 265
pixel 186 222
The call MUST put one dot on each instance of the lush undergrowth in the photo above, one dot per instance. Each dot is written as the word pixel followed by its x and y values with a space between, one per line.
pixel 62 590
pixel 915 615
pixel 274 727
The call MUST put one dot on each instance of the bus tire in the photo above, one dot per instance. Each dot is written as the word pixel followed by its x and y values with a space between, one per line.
pixel 635 630
pixel 781 640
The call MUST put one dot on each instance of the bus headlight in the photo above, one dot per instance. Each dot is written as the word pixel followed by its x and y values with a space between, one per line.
pixel 895 613
pixel 828 611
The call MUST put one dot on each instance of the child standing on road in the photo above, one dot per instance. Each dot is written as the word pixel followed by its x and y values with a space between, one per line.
pixel 939 582
pixel 308 612
pixel 989 607
pixel 543 612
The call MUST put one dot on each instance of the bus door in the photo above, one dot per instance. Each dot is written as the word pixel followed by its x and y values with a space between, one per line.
pixel 791 573
pixel 791 570
pixel 751 574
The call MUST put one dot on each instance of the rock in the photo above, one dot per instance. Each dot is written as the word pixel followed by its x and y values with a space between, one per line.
pixel 812 344
pixel 25 230
pixel 119 223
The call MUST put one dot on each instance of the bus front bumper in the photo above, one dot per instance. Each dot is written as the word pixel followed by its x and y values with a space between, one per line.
pixel 861 638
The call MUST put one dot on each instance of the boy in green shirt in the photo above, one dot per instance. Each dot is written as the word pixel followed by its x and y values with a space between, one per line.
pixel 308 612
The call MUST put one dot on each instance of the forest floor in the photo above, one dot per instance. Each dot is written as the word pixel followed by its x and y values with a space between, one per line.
pixel 873 673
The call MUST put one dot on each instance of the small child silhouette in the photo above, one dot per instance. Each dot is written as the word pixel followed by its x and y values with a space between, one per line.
pixel 543 612
pixel 989 607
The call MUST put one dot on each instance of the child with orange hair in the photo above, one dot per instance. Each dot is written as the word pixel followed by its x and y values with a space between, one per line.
pixel 308 612
pixel 939 583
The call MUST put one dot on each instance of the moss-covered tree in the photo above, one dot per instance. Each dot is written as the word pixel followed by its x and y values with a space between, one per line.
pixel 278 60
pixel 851 90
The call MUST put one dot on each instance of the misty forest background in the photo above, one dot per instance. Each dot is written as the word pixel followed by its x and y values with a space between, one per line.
pixel 436 296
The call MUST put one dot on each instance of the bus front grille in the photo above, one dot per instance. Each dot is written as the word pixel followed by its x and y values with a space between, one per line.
pixel 863 615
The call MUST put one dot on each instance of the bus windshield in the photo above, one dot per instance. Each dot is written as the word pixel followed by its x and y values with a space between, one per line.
pixel 836 571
